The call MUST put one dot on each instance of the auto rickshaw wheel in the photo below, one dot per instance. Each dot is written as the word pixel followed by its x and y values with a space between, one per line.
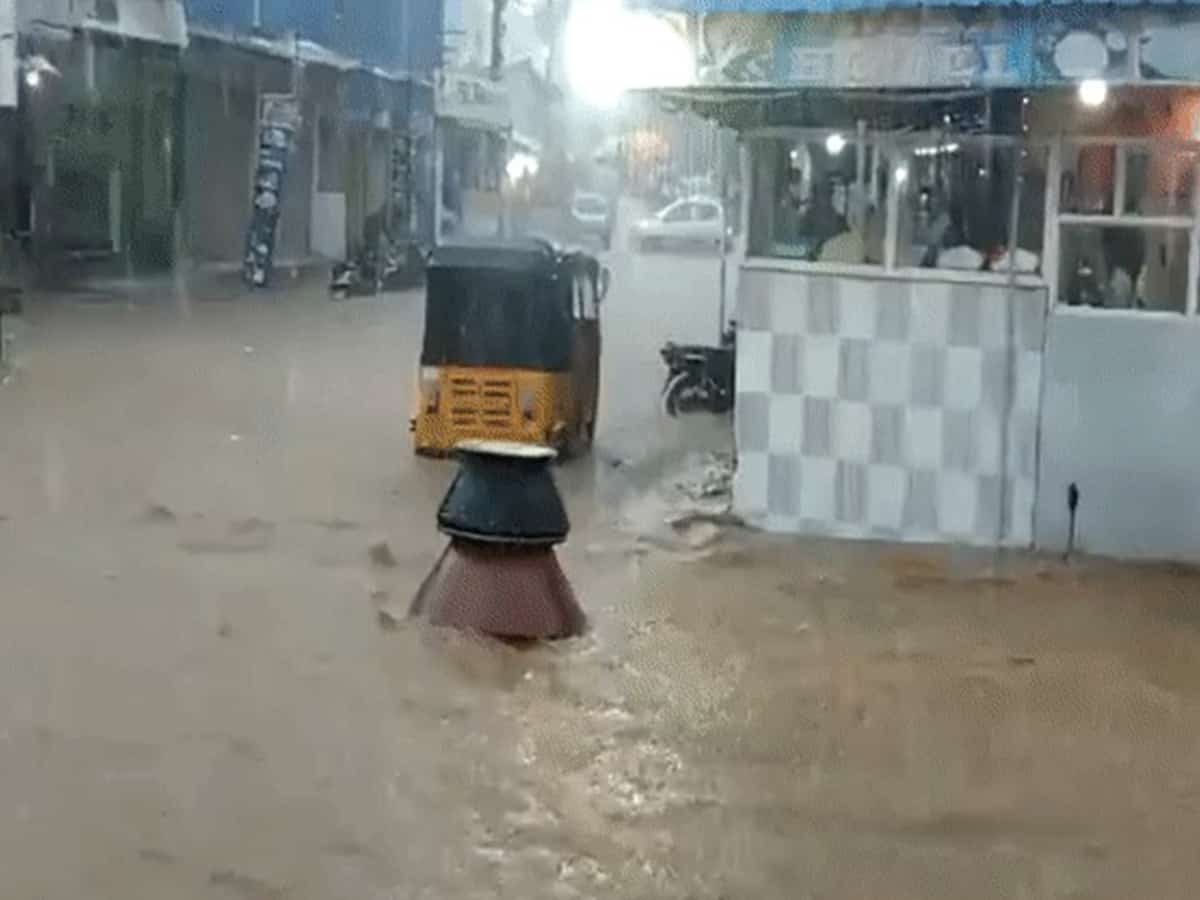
pixel 578 444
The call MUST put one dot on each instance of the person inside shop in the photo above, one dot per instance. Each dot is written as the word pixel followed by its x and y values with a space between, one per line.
pixel 807 223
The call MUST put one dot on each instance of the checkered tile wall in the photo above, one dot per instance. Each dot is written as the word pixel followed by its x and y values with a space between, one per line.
pixel 876 407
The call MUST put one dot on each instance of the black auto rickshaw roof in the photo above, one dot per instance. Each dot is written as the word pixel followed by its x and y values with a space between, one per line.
pixel 502 303
pixel 514 255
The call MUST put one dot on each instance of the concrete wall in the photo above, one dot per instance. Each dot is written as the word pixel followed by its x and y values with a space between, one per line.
pixel 1121 419
pixel 218 141
pixel 887 408
pixel 221 134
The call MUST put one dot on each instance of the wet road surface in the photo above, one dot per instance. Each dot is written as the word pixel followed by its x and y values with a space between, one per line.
pixel 198 698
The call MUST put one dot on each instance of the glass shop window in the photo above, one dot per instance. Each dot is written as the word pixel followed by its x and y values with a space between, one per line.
pixel 818 203
pixel 957 204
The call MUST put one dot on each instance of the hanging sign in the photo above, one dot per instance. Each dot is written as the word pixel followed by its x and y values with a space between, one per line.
pixel 279 118
pixel 401 182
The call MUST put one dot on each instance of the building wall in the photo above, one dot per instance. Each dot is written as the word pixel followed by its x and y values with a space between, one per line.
pixel 886 408
pixel 394 34
pixel 1122 421
pixel 219 140
pixel 468 29
pixel 221 125
pixel 99 145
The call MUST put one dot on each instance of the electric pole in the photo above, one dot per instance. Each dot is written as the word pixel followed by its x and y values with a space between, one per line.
pixel 497 62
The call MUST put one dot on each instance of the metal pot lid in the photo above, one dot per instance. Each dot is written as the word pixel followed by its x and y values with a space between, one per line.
pixel 508 449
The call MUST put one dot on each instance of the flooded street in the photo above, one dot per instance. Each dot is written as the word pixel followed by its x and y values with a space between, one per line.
pixel 201 699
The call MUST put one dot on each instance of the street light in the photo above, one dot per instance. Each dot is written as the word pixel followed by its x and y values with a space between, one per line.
pixel 35 68
pixel 651 52
pixel 835 144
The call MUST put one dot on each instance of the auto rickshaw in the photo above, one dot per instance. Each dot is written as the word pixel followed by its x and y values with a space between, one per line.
pixel 511 348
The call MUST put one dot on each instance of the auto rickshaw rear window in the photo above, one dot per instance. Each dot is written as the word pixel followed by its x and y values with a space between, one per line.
pixel 498 317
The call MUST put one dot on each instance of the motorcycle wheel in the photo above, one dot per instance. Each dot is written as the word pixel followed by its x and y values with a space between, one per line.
pixel 674 396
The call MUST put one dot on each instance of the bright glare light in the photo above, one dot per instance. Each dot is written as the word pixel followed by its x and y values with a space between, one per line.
pixel 33 78
pixel 835 144
pixel 1093 91
pixel 610 50
pixel 901 174
pixel 521 165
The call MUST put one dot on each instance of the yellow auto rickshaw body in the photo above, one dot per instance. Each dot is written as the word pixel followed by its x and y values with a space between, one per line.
pixel 511 349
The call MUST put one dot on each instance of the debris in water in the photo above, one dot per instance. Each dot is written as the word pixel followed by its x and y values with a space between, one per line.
pixel 388 619
pixel 714 480
pixel 225 630
pixel 1021 661
pixel 682 520
pixel 235 438
pixel 251 525
pixel 246 887
pixel 381 555
pixel 154 855
pixel 337 524
pixel 701 534
pixel 158 514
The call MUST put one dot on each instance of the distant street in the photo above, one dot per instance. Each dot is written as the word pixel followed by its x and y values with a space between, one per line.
pixel 655 297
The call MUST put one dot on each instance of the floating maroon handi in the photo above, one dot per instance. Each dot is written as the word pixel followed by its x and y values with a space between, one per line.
pixel 499 575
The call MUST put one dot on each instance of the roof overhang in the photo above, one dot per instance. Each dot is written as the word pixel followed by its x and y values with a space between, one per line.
pixel 154 21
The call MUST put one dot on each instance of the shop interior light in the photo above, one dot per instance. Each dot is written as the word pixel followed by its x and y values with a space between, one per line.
pixel 35 68
pixel 936 150
pixel 835 144
pixel 1093 92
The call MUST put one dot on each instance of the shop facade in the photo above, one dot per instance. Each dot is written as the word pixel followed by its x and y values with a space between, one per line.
pixel 474 128
pixel 971 271
pixel 95 158
pixel 358 86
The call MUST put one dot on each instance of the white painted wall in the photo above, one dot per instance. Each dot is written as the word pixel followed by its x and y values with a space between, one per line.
pixel 1121 420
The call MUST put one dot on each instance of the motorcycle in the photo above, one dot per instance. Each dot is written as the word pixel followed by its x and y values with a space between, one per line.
pixel 700 378
pixel 10 305
pixel 403 267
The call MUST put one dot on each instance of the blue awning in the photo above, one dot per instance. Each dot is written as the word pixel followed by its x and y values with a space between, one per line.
pixel 836 6
pixel 939 43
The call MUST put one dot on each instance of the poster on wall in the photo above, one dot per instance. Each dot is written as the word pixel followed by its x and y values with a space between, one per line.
pixel 279 118
pixel 1072 44
pixel 1168 49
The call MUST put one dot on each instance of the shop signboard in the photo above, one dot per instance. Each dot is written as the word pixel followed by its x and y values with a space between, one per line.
pixel 472 99
pixel 279 118
pixel 8 53
pixel 936 48
pixel 902 49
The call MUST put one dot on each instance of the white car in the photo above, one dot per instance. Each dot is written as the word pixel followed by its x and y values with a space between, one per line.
pixel 592 216
pixel 693 221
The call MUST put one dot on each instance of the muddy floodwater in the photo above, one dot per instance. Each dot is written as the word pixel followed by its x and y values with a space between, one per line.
pixel 210 691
